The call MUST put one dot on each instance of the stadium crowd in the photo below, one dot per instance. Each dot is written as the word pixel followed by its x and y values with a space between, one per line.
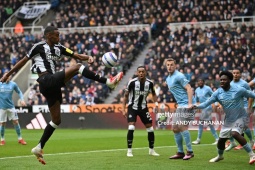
pixel 77 13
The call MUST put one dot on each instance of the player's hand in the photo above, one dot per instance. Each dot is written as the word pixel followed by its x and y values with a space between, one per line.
pixel 90 60
pixel 4 78
pixel 190 107
pixel 23 103
pixel 124 113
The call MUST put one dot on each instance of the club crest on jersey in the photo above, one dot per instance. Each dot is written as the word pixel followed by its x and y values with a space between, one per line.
pixel 57 51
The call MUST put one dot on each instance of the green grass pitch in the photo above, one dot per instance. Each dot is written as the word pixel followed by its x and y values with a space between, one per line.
pixel 106 149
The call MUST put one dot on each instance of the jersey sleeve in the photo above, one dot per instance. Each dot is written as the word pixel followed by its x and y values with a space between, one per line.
pixel 129 86
pixel 208 102
pixel 33 51
pixel 152 88
pixel 18 91
pixel 183 80
pixel 66 51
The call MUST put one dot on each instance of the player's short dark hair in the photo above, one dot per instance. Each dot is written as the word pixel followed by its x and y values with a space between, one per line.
pixel 49 29
pixel 228 74
pixel 141 67
pixel 200 78
pixel 238 68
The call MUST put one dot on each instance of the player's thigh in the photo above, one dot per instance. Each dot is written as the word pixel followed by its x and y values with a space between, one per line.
pixel 145 116
pixel 3 115
pixel 131 115
pixel 12 114
pixel 225 131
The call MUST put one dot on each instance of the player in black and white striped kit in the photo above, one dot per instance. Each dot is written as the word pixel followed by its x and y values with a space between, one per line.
pixel 136 94
pixel 45 54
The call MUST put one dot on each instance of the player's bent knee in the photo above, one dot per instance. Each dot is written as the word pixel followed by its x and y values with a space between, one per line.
pixel 131 127
pixel 150 129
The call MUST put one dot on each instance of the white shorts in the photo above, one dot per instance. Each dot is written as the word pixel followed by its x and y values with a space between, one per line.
pixel 10 113
pixel 237 126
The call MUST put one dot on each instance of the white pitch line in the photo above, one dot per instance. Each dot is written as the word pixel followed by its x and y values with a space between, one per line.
pixel 95 151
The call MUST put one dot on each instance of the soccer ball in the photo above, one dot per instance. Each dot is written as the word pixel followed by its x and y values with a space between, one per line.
pixel 109 59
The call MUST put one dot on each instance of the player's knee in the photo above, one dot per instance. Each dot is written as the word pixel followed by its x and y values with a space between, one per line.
pixel 15 122
pixel 131 127
pixel 150 129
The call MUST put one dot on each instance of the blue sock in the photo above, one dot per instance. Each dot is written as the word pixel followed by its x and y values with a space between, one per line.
pixel 214 133
pixel 2 129
pixel 186 136
pixel 18 131
pixel 232 140
pixel 178 141
pixel 200 131
pixel 248 133
pixel 220 152
pixel 247 148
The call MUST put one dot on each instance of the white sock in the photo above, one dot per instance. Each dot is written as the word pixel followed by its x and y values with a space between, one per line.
pixel 81 69
pixel 129 149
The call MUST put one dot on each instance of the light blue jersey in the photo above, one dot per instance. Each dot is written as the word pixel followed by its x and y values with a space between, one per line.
pixel 245 85
pixel 231 101
pixel 6 91
pixel 203 94
pixel 176 84
pixel 254 92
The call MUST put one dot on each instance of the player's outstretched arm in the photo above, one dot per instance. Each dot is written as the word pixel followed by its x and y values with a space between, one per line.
pixel 83 57
pixel 17 66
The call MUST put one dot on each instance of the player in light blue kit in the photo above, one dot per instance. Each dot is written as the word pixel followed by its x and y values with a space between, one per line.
pixel 7 109
pixel 202 93
pixel 231 99
pixel 251 105
pixel 179 86
pixel 239 82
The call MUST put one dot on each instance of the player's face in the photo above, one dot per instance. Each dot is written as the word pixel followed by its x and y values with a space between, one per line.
pixel 200 83
pixel 54 37
pixel 170 66
pixel 224 82
pixel 141 73
pixel 236 75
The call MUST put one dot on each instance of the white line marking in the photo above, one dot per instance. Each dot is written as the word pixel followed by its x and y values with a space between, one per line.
pixel 95 151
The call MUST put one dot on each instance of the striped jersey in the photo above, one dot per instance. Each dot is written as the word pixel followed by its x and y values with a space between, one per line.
pixel 45 57
pixel 138 93
pixel 6 91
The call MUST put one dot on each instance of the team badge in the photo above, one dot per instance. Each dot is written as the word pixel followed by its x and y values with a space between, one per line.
pixel 57 51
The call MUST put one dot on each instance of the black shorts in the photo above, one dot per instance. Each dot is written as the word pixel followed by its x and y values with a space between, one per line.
pixel 144 115
pixel 50 86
